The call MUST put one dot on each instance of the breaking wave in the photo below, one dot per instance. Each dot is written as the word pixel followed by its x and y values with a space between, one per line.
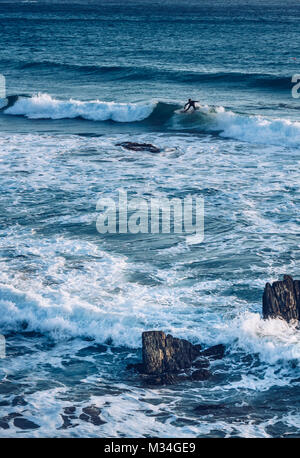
pixel 43 106
pixel 253 128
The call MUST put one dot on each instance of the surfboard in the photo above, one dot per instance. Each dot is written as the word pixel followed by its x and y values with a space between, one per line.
pixel 189 111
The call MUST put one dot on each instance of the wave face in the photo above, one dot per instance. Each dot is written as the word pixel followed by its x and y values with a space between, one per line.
pixel 43 106
pixel 254 129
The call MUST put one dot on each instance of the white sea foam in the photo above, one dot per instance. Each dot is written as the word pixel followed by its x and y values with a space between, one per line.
pixel 274 339
pixel 65 281
pixel 77 287
pixel 257 129
pixel 43 106
pixel 249 128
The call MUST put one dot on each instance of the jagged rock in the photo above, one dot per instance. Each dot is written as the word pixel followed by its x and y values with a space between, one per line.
pixel 215 352
pixel 168 360
pixel 163 353
pixel 201 363
pixel 170 378
pixel 138 367
pixel 69 410
pixel 162 379
pixel 282 299
pixel 201 374
pixel 133 146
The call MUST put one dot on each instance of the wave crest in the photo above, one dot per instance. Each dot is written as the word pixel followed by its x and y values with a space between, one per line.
pixel 43 106
pixel 250 128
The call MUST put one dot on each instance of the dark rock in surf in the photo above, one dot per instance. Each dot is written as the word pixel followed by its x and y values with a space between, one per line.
pixel 215 352
pixel 69 410
pixel 162 379
pixel 91 414
pixel 11 416
pixel 23 423
pixel 166 354
pixel 4 424
pixel 66 422
pixel 168 360
pixel 201 374
pixel 68 417
pixel 138 367
pixel 133 146
pixel 201 363
pixel 282 299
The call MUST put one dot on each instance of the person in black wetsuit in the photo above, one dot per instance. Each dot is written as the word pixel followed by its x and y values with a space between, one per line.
pixel 190 104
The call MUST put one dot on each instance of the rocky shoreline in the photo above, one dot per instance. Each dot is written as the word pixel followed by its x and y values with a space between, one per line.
pixel 168 360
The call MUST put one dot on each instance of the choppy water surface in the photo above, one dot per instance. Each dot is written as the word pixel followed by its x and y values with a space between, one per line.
pixel 73 302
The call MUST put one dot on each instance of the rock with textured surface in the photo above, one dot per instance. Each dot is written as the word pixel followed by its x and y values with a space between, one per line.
pixel 201 374
pixel 134 146
pixel 166 354
pixel 282 299
pixel 215 352
pixel 201 363
pixel 168 360
pixel 162 379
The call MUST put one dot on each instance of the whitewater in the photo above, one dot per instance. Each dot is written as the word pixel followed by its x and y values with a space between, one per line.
pixel 58 289
pixel 257 129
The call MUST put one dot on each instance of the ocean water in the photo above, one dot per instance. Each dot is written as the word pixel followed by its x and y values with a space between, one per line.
pixel 82 77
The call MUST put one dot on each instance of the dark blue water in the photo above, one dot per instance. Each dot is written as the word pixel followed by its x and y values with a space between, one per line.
pixel 81 78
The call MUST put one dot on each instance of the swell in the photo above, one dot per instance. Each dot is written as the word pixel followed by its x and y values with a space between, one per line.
pixel 144 73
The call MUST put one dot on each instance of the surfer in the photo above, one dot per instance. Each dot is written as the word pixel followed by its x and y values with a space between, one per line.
pixel 190 104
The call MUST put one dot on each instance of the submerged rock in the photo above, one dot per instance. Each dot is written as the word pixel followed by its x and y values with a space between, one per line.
pixel 133 146
pixel 201 363
pixel 4 424
pixel 162 379
pixel 91 414
pixel 66 422
pixel 18 401
pixel 70 410
pixel 282 299
pixel 23 423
